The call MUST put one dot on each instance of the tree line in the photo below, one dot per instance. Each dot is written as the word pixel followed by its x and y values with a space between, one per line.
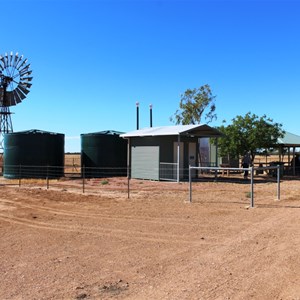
pixel 249 133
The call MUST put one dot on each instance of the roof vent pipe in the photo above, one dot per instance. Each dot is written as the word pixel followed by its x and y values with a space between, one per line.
pixel 137 115
pixel 150 106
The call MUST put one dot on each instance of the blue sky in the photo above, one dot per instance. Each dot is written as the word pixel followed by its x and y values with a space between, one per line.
pixel 92 60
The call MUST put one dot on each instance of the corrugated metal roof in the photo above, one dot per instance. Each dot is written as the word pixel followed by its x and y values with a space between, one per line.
pixel 35 131
pixel 290 139
pixel 105 132
pixel 196 130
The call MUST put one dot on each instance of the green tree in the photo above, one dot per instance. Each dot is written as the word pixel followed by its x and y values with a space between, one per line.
pixel 192 105
pixel 249 133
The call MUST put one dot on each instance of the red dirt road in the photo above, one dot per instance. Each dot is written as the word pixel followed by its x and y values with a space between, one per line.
pixel 60 244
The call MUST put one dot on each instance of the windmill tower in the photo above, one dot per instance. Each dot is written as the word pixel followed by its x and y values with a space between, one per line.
pixel 15 82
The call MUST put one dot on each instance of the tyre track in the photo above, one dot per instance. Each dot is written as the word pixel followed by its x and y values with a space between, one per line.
pixel 166 220
pixel 100 231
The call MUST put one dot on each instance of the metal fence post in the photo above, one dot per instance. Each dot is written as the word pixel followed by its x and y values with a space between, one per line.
pixel 278 182
pixel 20 171
pixel 128 187
pixel 47 177
pixel 83 178
pixel 252 188
pixel 190 185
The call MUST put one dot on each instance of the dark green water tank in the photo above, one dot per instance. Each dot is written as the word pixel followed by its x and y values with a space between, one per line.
pixel 103 154
pixel 34 154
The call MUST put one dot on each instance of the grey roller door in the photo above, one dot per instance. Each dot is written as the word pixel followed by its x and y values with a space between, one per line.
pixel 145 162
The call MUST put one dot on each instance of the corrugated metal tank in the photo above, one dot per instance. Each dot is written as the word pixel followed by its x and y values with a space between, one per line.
pixel 103 154
pixel 34 154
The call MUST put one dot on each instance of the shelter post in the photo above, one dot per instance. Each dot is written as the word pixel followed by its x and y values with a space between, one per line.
pixel 128 167
pixel 128 158
pixel 294 162
pixel 178 158
pixel 216 159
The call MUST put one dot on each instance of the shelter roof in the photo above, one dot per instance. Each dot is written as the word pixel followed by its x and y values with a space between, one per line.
pixel 186 130
pixel 289 140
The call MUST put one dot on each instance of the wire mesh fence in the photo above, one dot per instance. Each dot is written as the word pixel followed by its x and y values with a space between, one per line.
pixel 95 180
pixel 275 170
pixel 80 179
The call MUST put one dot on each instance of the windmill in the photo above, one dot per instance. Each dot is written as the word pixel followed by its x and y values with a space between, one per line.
pixel 15 82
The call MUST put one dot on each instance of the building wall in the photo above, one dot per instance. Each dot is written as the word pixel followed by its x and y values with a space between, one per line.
pixel 147 154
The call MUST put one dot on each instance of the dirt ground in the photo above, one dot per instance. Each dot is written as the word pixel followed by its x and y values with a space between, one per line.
pixel 62 244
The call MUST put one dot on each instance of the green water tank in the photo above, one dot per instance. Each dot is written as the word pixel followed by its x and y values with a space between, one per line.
pixel 33 154
pixel 103 154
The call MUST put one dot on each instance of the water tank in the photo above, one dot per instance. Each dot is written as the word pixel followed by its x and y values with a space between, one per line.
pixel 103 154
pixel 33 154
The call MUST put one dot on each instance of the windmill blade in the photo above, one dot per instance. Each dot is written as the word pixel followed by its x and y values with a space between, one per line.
pixel 22 64
pixel 17 97
pixel 26 78
pixel 2 59
pixel 1 62
pixel 26 74
pixel 6 61
pixel 20 61
pixel 20 93
pixel 17 60
pixel 24 70
pixel 12 99
pixel 23 89
pixel 11 58
pixel 26 84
